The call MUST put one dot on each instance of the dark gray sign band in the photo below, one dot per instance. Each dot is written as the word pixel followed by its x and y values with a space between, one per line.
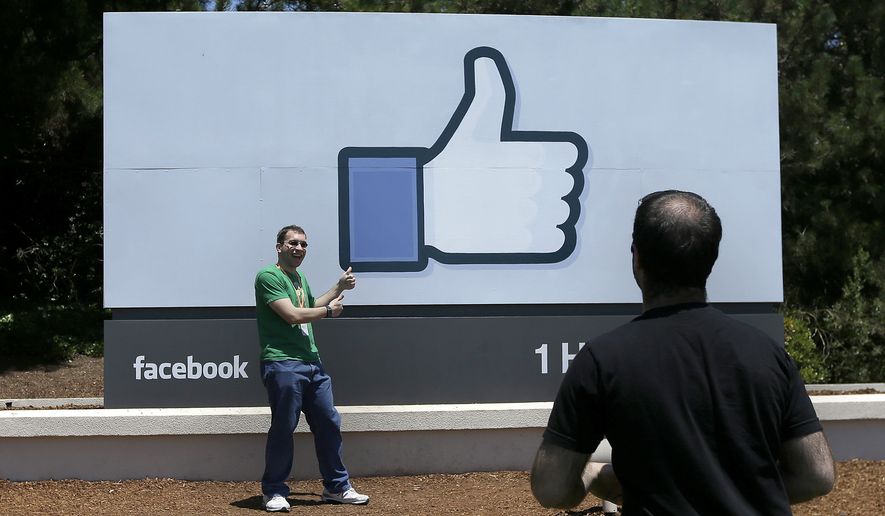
pixel 373 361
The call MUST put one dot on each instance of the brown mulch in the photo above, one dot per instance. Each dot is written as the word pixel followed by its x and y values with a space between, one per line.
pixel 860 486
pixel 81 377
pixel 860 490
pixel 829 392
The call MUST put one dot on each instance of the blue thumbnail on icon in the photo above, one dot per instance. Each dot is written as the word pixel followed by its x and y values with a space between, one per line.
pixel 383 210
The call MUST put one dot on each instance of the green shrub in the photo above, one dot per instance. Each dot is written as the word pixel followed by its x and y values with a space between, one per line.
pixel 801 347
pixel 51 334
pixel 852 330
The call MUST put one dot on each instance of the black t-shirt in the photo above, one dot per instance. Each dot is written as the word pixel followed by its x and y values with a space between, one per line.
pixel 695 406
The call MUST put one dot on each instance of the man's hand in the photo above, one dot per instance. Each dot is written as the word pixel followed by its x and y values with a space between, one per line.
pixel 347 280
pixel 336 305
pixel 600 480
pixel 333 297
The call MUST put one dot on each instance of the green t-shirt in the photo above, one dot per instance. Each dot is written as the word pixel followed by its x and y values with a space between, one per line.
pixel 279 340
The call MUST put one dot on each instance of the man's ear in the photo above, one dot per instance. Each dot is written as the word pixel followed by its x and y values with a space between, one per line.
pixel 637 265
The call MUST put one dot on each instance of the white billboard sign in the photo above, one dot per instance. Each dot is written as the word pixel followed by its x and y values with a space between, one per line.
pixel 449 159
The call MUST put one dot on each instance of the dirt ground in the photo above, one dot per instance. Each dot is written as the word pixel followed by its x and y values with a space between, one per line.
pixel 82 377
pixel 860 486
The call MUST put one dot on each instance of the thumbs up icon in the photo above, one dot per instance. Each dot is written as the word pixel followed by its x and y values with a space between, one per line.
pixel 484 193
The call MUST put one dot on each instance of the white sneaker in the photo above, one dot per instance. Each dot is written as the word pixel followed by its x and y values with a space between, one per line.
pixel 276 503
pixel 349 496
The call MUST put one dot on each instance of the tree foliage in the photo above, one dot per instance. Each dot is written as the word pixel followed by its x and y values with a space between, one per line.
pixel 832 123
pixel 832 137
pixel 50 151
pixel 51 176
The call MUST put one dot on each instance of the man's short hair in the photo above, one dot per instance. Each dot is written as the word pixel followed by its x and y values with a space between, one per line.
pixel 281 234
pixel 677 237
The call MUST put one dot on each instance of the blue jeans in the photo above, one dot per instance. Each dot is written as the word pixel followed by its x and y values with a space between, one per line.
pixel 292 387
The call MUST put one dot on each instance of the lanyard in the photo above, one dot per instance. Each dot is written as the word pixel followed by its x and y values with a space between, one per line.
pixel 299 292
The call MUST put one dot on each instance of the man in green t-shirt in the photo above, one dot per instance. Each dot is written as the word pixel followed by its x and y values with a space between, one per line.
pixel 294 375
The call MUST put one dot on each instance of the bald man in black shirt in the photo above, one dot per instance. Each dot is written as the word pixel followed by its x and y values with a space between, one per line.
pixel 704 414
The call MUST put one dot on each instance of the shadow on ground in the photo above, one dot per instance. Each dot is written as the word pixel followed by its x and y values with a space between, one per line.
pixel 591 510
pixel 295 500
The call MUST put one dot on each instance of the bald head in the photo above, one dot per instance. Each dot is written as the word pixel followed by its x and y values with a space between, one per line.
pixel 676 236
